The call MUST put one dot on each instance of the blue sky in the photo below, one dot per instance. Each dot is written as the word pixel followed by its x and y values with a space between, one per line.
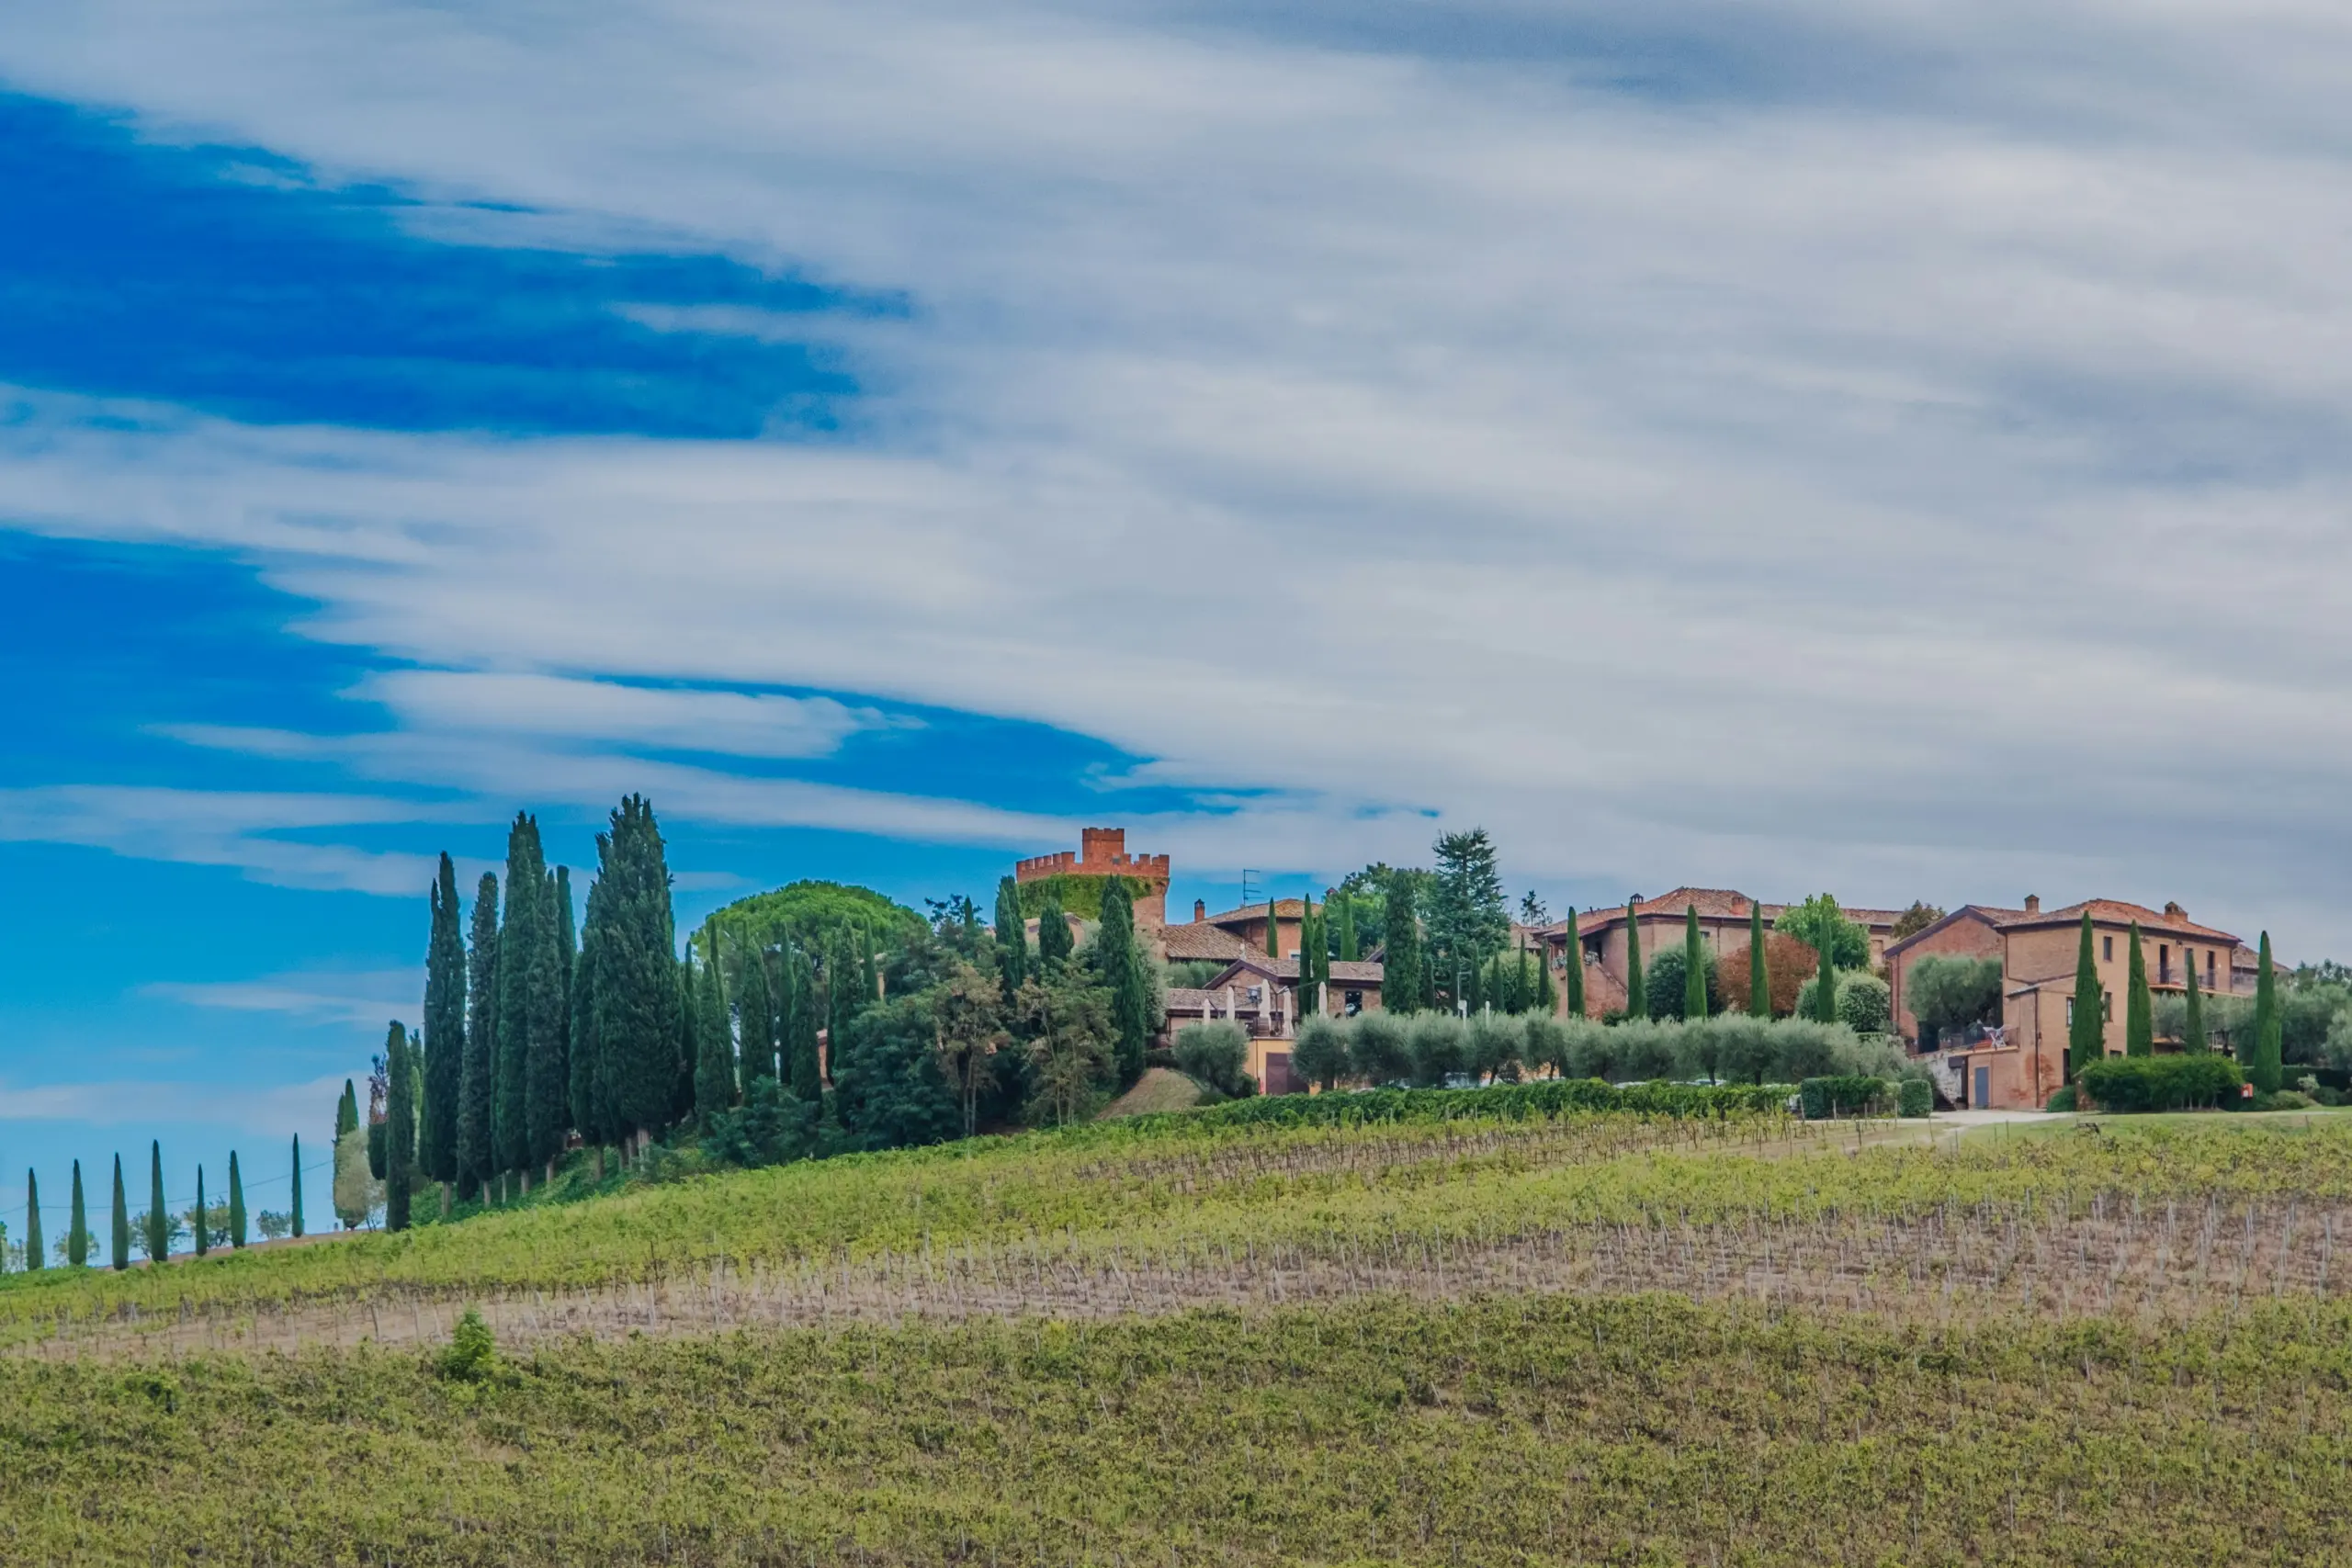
pixel 1899 452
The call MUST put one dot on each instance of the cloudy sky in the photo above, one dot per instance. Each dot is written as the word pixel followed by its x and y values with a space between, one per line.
pixel 1891 448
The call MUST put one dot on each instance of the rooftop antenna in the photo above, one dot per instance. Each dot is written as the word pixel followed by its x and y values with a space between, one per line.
pixel 1247 873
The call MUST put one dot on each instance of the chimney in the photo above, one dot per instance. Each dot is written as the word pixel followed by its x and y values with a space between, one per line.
pixel 2176 911
pixel 1200 910
pixel 2033 902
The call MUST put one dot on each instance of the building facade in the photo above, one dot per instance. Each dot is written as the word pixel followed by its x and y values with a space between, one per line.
pixel 1102 852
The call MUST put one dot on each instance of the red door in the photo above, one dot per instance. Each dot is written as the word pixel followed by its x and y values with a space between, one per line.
pixel 1280 1079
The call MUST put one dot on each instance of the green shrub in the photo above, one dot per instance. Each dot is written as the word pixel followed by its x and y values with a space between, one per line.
pixel 1846 1095
pixel 1506 1102
pixel 2290 1099
pixel 1862 1004
pixel 1915 1098
pixel 1215 1053
pixel 472 1352
pixel 2063 1100
pixel 2132 1084
pixel 1161 1056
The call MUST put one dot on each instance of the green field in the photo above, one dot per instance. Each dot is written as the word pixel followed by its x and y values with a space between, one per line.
pixel 1583 1337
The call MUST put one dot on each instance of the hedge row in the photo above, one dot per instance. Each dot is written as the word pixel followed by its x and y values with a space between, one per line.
pixel 1503 1103
pixel 2160 1083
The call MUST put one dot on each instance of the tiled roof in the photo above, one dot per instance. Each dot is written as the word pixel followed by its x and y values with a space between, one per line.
pixel 1985 912
pixel 1185 998
pixel 2115 911
pixel 1285 909
pixel 1201 941
pixel 1344 971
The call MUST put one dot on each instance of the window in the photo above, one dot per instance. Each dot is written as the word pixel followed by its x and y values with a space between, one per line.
pixel 1257 993
pixel 2209 968
pixel 1352 1003
pixel 2107 948
pixel 2106 1006
pixel 2163 962
pixel 2069 1012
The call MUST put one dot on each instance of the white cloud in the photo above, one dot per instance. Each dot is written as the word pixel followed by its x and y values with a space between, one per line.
pixel 226 828
pixel 362 998
pixel 1905 453
pixel 555 708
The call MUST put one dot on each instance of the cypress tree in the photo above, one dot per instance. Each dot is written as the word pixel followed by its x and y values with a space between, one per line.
pixel 635 986
pixel 713 1050
pixel 32 1220
pixel 295 1212
pixel 1694 965
pixel 585 1059
pixel 807 1071
pixel 1522 991
pixel 1572 968
pixel 203 1240
pixel 444 1032
pixel 77 1225
pixel 1637 999
pixel 1759 964
pixel 1124 972
pixel 527 1101
pixel 869 978
pixel 2265 1069
pixel 1547 1000
pixel 2086 1030
pixel 754 1013
pixel 477 1073
pixel 347 1111
pixel 547 1074
pixel 236 1204
pixel 1011 936
pixel 159 1220
pixel 1401 980
pixel 121 1258
pixel 1349 943
pixel 2193 1036
pixel 2139 1009
pixel 1053 934
pixel 1273 931
pixel 399 1130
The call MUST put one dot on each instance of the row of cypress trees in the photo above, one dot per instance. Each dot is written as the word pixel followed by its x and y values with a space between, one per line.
pixel 532 1031
pixel 158 1219
pixel 2087 1029
pixel 531 1035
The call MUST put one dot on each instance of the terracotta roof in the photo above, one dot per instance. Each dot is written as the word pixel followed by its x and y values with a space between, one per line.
pixel 1985 912
pixel 1285 909
pixel 1713 903
pixel 1185 998
pixel 1201 941
pixel 1342 971
pixel 2115 911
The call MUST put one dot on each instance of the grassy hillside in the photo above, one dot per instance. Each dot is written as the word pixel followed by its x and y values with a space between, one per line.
pixel 1507 1430
pixel 1475 1332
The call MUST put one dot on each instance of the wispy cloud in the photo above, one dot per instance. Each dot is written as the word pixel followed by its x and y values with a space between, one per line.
pixel 609 713
pixel 225 829
pixel 365 998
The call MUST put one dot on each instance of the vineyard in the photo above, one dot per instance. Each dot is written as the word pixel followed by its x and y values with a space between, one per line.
pixel 1488 1328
